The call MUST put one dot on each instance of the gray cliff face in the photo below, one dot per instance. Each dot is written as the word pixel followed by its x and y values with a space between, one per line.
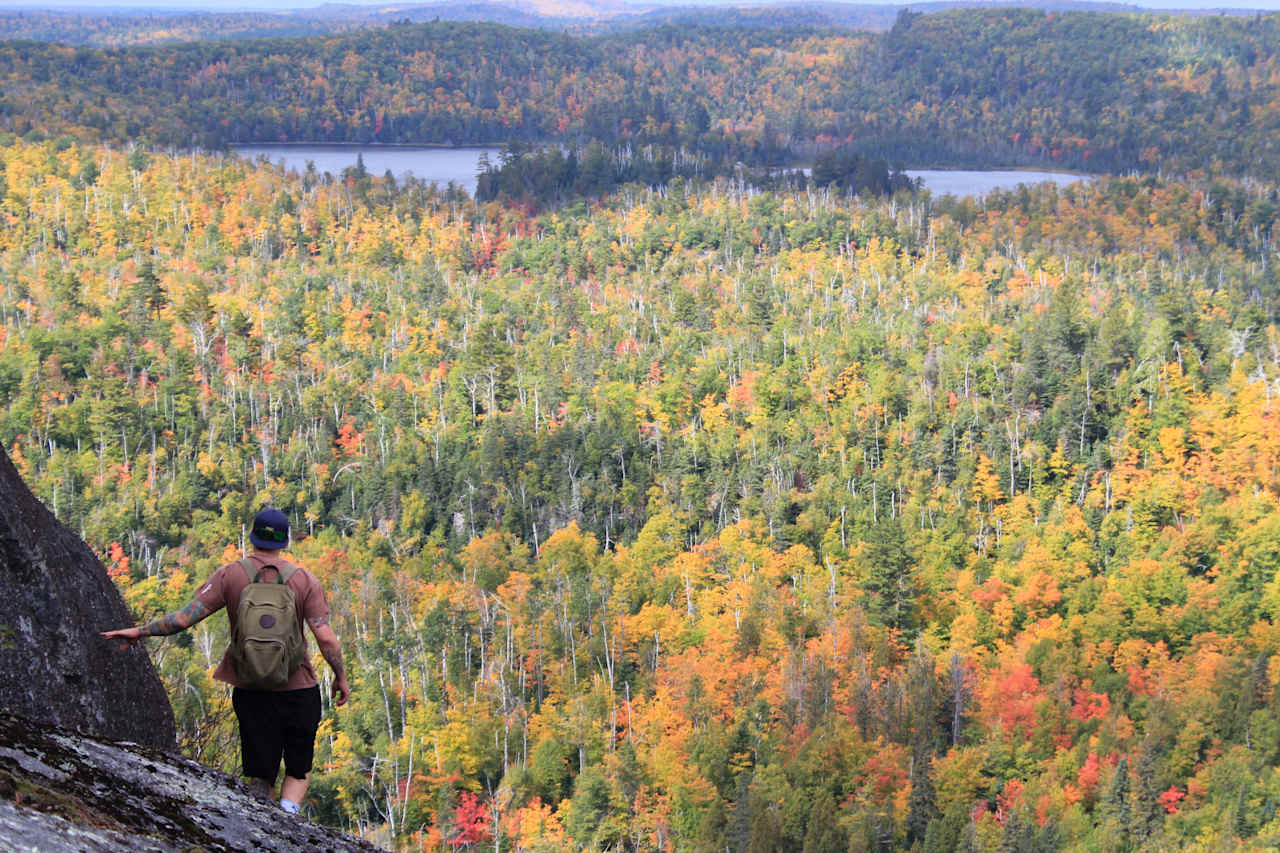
pixel 55 597
pixel 63 792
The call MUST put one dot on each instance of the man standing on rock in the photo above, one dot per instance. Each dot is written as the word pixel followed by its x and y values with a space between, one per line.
pixel 274 723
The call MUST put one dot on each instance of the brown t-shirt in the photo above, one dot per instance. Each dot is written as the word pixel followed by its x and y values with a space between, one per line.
pixel 223 590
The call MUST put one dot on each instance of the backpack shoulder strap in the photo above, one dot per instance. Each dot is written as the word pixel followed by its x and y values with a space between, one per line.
pixel 286 570
pixel 249 573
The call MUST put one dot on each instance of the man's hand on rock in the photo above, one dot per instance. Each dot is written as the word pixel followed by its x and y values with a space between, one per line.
pixel 130 636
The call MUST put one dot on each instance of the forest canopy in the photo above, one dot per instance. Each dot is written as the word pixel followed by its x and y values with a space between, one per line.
pixel 695 517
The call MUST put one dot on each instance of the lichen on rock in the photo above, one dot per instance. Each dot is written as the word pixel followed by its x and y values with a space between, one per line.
pixel 64 791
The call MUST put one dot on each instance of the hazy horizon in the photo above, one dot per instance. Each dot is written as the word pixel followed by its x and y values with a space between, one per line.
pixel 295 5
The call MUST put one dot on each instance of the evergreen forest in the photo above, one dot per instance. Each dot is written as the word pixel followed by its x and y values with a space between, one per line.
pixel 667 510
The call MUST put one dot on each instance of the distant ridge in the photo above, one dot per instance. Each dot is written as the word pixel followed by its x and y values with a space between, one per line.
pixel 865 16
pixel 126 26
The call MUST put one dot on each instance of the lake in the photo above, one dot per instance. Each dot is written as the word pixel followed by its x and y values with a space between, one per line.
pixel 442 165
pixel 960 182
pixel 436 165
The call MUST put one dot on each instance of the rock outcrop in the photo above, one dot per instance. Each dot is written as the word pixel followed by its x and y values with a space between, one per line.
pixel 64 792
pixel 55 596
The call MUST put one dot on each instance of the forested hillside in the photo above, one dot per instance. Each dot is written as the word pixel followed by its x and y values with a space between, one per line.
pixel 1101 93
pixel 121 26
pixel 694 519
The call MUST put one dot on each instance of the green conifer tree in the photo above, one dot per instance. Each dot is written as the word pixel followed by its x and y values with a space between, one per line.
pixel 922 806
pixel 824 834
pixel 1148 813
pixel 1018 834
pixel 945 833
pixel 1115 808
pixel 711 829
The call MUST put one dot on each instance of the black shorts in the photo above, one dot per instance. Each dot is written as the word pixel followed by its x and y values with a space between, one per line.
pixel 276 724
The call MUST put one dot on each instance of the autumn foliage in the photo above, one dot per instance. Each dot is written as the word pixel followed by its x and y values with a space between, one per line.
pixel 691 519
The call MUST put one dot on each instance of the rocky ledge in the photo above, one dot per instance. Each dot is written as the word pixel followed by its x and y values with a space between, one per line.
pixel 63 792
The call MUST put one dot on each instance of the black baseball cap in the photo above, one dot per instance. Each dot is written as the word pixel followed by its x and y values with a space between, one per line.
pixel 270 530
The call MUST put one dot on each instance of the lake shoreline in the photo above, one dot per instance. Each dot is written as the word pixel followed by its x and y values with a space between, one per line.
pixel 338 146
pixel 440 165
pixel 1036 169
pixel 963 183
pixel 460 165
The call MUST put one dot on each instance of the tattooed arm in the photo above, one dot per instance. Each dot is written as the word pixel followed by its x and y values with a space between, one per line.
pixel 331 648
pixel 170 623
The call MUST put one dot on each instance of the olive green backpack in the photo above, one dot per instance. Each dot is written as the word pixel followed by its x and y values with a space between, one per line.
pixel 267 645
